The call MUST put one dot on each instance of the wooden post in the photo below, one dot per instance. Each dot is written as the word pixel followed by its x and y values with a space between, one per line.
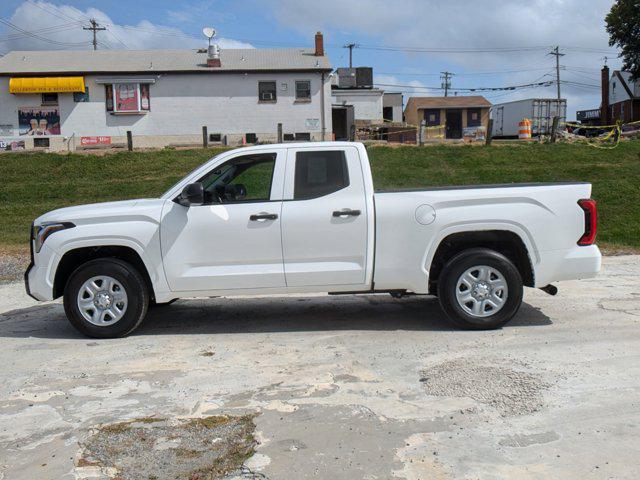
pixel 279 133
pixel 129 140
pixel 489 137
pixel 554 129
pixel 205 137
pixel 421 133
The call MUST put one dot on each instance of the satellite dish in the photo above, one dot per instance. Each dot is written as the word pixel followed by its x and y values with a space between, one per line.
pixel 209 32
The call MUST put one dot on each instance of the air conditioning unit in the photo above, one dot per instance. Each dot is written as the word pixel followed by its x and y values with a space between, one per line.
pixel 268 96
pixel 364 77
pixel 346 78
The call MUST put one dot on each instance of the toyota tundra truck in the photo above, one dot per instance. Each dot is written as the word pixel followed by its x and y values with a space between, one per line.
pixel 305 218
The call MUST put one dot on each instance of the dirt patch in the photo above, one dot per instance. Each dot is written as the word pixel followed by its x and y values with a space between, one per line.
pixel 508 389
pixel 155 448
pixel 12 265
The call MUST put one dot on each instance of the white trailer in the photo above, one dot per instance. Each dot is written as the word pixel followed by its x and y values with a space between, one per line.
pixel 540 111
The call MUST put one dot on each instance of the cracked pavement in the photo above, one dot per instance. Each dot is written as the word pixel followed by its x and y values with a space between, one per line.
pixel 344 387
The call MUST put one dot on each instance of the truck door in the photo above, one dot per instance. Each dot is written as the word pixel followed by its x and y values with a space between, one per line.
pixel 233 241
pixel 324 218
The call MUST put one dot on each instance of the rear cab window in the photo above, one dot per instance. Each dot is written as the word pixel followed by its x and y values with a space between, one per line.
pixel 319 173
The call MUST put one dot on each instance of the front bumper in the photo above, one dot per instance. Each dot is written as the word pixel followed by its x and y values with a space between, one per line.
pixel 36 278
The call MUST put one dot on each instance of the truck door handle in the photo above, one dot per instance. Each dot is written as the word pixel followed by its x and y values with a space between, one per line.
pixel 263 216
pixel 346 213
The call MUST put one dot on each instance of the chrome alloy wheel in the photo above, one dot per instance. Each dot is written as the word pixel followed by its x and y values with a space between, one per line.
pixel 481 291
pixel 102 300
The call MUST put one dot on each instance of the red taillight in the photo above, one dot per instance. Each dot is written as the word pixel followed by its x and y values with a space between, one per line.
pixel 590 222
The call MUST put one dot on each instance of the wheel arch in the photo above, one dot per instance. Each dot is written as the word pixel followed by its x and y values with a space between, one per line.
pixel 76 257
pixel 507 242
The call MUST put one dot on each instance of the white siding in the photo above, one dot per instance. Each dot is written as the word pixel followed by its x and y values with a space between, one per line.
pixel 617 92
pixel 367 104
pixel 182 103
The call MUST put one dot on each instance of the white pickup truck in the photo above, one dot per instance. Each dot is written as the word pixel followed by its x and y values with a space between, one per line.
pixel 299 218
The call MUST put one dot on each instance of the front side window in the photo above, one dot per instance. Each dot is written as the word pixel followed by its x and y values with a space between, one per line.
pixel 242 179
pixel 303 90
pixel 267 91
pixel 320 173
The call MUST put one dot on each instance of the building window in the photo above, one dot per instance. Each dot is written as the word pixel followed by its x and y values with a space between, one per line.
pixel 432 117
pixel 80 97
pixel 49 99
pixel 473 117
pixel 320 173
pixel 267 91
pixel 303 90
pixel 127 97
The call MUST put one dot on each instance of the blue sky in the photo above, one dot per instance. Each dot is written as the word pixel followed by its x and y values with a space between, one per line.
pixel 486 44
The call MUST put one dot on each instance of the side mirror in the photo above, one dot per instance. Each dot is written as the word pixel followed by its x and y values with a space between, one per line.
pixel 192 194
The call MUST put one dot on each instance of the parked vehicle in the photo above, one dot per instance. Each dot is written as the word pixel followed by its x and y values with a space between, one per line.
pixel 589 132
pixel 301 218
pixel 540 111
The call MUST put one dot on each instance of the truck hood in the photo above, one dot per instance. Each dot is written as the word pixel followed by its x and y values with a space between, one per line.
pixel 105 212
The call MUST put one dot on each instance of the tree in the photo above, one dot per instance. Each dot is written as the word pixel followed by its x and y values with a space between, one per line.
pixel 623 27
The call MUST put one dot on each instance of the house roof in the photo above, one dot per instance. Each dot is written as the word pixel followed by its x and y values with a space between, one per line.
pixel 471 101
pixel 625 80
pixel 147 61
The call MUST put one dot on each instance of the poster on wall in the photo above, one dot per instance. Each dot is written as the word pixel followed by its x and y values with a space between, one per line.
pixel 39 121
pixel 126 97
pixel 11 145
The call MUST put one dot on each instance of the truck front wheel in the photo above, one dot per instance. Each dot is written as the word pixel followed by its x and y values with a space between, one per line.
pixel 106 298
pixel 480 289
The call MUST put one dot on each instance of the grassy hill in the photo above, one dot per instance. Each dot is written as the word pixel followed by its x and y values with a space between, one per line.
pixel 33 183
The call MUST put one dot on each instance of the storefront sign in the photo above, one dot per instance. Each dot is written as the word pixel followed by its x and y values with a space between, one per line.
pixel 84 141
pixel 312 123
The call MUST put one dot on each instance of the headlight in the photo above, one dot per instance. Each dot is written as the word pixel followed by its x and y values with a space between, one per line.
pixel 41 232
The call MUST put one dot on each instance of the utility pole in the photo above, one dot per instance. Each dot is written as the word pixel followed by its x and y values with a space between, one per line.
pixel 446 82
pixel 557 54
pixel 94 27
pixel 350 46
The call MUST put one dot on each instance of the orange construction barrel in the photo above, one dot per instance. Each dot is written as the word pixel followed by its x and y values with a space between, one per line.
pixel 524 129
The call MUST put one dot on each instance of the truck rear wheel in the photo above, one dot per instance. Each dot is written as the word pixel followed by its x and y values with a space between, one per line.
pixel 106 298
pixel 480 289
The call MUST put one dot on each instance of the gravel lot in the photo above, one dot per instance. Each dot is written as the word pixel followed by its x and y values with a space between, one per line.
pixel 366 387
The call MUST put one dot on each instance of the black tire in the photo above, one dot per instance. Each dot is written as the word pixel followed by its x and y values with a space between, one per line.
pixel 459 264
pixel 134 286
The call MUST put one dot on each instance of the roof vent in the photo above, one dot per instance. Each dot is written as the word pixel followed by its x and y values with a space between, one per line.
pixel 213 56
pixel 213 52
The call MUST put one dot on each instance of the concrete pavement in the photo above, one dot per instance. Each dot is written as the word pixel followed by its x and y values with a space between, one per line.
pixel 343 387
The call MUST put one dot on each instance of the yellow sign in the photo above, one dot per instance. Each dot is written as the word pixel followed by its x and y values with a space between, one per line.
pixel 46 84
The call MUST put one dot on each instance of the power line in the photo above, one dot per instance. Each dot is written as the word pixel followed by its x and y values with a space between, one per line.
pixel 38 37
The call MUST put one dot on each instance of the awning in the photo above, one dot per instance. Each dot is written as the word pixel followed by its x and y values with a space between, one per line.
pixel 46 84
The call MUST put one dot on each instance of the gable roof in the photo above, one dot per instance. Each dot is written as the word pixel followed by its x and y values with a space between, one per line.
pixel 470 101
pixel 625 81
pixel 40 62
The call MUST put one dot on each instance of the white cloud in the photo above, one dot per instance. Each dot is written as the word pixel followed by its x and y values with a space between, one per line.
pixel 60 27
pixel 487 24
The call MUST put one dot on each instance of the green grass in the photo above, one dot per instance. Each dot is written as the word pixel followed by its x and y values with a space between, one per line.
pixel 31 184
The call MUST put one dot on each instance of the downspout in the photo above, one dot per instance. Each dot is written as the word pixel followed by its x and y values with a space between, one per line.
pixel 322 123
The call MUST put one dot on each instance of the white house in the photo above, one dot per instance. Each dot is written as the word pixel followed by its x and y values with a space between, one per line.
pixel 65 99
